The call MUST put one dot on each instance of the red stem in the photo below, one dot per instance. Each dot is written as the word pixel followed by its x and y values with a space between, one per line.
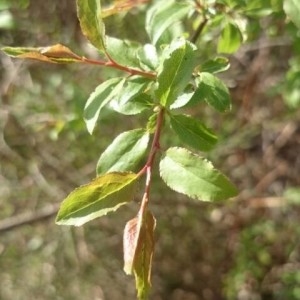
pixel 155 143
pixel 149 164
pixel 113 64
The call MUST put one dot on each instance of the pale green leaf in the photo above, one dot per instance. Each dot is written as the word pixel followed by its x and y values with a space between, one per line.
pixel 124 52
pixel 292 196
pixel 194 176
pixel 148 57
pixel 230 39
pixel 135 105
pixel 175 71
pixel 216 65
pixel 104 194
pixel 258 9
pixel 92 26
pixel 182 100
pixel 125 152
pixel 98 99
pixel 292 10
pixel 193 133
pixel 213 91
pixel 132 100
pixel 7 21
pixel 162 15
pixel 152 123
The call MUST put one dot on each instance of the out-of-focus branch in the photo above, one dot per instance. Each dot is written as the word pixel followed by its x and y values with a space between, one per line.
pixel 28 218
pixel 199 30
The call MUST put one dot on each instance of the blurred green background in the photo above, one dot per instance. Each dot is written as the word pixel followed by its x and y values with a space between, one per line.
pixel 245 248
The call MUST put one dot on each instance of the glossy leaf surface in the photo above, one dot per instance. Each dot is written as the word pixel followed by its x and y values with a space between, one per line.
pixel 131 99
pixel 216 65
pixel 230 40
pixel 292 10
pixel 194 176
pixel 124 52
pixel 125 152
pixel 161 16
pixel 213 91
pixel 148 57
pixel 98 99
pixel 104 194
pixel 193 133
pixel 182 100
pixel 135 105
pixel 175 72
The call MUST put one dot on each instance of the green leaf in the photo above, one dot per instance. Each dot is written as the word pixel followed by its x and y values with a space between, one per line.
pixel 92 26
pixel 193 133
pixel 152 123
pixel 194 176
pixel 138 250
pixel 291 87
pixel 230 40
pixel 176 71
pixel 216 65
pixel 98 99
pixel 135 105
pixel 124 52
pixel 7 21
pixel 259 9
pixel 182 100
pixel 148 57
pixel 292 196
pixel 125 152
pixel 213 91
pixel 53 54
pixel 104 194
pixel 162 15
pixel 132 100
pixel 292 10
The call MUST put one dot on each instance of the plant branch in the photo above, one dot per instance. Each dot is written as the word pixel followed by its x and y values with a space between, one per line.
pixel 199 30
pixel 155 143
pixel 113 64
pixel 28 218
pixel 145 199
pixel 149 164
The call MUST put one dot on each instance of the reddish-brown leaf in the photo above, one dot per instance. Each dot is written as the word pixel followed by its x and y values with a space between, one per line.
pixel 54 54
pixel 121 6
pixel 138 250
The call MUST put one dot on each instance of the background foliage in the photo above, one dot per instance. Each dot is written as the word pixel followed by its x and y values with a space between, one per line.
pixel 244 249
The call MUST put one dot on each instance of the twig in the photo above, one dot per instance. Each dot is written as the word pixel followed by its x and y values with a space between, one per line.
pixel 199 30
pixel 113 64
pixel 149 164
pixel 29 217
